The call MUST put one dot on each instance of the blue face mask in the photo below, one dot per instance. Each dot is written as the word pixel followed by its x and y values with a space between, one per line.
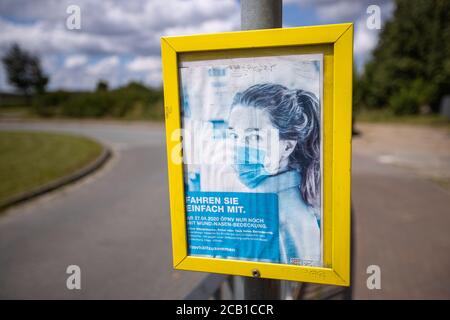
pixel 249 165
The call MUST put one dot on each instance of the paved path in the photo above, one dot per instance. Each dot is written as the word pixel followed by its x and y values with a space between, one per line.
pixel 402 225
pixel 402 214
pixel 115 226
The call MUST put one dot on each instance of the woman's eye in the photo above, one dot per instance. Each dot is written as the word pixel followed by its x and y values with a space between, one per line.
pixel 232 135
pixel 254 137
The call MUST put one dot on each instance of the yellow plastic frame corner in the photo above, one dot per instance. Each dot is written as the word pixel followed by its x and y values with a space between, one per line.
pixel 336 43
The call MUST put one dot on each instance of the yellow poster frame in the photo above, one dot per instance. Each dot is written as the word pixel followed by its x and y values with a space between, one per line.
pixel 336 43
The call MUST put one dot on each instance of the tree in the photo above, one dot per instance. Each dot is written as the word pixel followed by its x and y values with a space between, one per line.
pixel 102 86
pixel 411 63
pixel 24 71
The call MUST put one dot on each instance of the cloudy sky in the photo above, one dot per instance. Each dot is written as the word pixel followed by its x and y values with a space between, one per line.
pixel 119 40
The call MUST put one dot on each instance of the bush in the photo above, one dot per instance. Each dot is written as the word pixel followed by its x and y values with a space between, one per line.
pixel 404 103
pixel 88 105
pixel 133 101
pixel 48 104
pixel 413 44
pixel 8 100
pixel 410 98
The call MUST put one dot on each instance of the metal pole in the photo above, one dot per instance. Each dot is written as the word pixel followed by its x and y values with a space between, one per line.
pixel 261 14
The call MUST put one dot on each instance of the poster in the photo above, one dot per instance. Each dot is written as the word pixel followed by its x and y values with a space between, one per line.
pixel 252 158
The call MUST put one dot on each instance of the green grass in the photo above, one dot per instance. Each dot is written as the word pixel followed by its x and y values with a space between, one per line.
pixel 32 159
pixel 385 116
pixel 443 182
pixel 16 112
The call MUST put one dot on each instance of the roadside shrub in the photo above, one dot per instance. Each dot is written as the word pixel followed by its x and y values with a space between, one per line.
pixel 48 104
pixel 411 98
pixel 87 105
pixel 404 102
pixel 133 101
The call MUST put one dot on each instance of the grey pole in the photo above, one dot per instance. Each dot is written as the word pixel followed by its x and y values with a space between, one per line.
pixel 261 14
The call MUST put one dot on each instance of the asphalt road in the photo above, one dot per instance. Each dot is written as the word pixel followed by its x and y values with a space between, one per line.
pixel 115 225
pixel 401 225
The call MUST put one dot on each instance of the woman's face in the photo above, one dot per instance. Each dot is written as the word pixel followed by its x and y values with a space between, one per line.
pixel 252 127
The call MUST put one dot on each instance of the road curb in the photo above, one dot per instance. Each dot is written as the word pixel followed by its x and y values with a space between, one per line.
pixel 56 184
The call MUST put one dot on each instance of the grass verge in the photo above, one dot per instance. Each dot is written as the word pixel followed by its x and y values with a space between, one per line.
pixel 385 116
pixel 31 159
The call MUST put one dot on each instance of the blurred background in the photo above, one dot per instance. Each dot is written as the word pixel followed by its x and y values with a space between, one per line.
pixel 81 97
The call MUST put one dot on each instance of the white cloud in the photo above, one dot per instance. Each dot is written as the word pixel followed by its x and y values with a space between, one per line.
pixel 111 28
pixel 104 66
pixel 365 39
pixel 4 85
pixel 147 69
pixel 75 60
pixel 126 34
pixel 340 10
pixel 145 64
pixel 154 78
pixel 209 26
pixel 332 11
